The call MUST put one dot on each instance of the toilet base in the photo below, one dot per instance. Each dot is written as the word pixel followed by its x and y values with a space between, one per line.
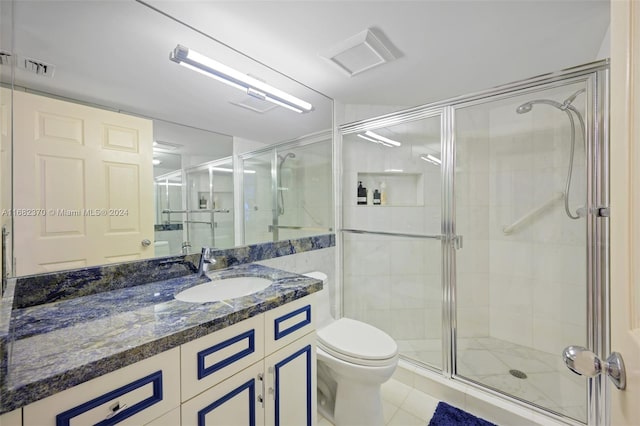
pixel 358 405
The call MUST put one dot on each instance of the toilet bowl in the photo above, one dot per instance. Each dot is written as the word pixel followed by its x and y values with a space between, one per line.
pixel 354 360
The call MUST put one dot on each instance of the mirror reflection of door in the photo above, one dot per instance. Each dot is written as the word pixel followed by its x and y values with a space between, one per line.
pixel 83 193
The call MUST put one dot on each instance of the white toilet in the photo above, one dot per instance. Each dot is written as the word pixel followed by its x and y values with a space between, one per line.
pixel 354 360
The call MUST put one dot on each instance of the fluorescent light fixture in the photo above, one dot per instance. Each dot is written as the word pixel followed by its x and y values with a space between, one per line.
pixel 251 86
pixel 155 161
pixel 224 169
pixel 382 138
pixel 431 159
pixel 393 170
pixel 360 135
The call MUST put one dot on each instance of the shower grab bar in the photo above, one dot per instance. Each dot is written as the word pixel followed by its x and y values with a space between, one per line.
pixel 532 214
pixel 393 234
pixel 199 221
pixel 197 211
pixel 299 228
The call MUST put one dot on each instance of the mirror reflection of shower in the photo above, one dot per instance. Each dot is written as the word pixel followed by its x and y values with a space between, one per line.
pixel 568 108
pixel 281 160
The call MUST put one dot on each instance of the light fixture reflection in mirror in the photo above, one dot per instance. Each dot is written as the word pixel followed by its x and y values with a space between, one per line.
pixel 197 62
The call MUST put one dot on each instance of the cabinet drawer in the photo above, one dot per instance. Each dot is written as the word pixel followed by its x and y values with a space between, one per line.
pixel 234 402
pixel 143 391
pixel 211 359
pixel 288 323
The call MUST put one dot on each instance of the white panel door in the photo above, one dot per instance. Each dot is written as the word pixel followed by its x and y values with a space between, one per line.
pixel 291 380
pixel 5 167
pixel 83 190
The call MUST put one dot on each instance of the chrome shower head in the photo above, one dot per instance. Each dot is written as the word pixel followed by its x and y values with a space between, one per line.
pixel 288 155
pixel 524 108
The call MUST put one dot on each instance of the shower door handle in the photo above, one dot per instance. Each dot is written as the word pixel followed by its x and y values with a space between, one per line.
pixel 585 363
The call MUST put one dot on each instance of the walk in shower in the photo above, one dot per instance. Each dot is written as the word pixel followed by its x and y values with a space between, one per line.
pixel 487 256
pixel 287 190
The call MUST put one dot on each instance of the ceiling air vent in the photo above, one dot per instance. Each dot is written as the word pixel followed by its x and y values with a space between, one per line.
pixel 166 146
pixel 359 53
pixel 254 104
pixel 37 67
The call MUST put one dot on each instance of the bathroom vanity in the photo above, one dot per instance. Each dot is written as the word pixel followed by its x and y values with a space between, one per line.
pixel 136 355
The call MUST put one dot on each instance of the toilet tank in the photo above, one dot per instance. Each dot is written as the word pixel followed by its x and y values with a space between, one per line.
pixel 323 300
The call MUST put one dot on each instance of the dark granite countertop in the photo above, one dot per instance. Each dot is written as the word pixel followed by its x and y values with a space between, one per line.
pixel 53 346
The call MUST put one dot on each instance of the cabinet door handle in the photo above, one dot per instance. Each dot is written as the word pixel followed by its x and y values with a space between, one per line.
pixel 260 398
pixel 115 409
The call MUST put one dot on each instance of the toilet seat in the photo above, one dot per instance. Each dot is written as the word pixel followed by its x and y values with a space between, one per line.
pixel 357 343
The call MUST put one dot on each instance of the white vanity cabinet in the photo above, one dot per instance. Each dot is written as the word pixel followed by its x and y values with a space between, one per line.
pixel 133 395
pixel 258 372
pixel 278 390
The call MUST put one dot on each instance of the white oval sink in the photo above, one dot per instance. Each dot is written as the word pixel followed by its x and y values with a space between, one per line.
pixel 228 288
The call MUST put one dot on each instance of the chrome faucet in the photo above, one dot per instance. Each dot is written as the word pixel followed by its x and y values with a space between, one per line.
pixel 205 259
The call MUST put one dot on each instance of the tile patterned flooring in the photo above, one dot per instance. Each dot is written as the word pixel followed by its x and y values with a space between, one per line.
pixel 487 361
pixel 402 405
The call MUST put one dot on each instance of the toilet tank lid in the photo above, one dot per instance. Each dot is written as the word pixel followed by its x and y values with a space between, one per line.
pixel 317 275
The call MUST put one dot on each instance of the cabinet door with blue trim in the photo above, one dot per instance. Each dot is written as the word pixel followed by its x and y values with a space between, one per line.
pixel 291 384
pixel 233 402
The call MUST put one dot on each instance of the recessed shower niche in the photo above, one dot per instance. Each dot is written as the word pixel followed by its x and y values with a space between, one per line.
pixel 396 188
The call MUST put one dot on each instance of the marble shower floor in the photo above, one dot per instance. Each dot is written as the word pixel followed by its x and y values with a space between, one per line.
pixel 487 361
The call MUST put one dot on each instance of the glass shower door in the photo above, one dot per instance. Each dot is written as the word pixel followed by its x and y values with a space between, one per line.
pixel 392 226
pixel 521 284
pixel 258 198
pixel 222 204
pixel 304 205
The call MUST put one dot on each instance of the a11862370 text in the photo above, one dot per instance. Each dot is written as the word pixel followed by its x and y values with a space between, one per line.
pixel 64 212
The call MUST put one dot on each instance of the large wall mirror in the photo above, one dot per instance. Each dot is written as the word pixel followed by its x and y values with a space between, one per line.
pixel 121 133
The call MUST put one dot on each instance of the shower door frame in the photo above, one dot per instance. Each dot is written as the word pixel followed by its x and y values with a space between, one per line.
pixel 596 78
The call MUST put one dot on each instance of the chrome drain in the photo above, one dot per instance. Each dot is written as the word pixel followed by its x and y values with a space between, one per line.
pixel 517 373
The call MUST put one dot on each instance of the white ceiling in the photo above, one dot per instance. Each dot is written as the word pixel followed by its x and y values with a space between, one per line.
pixel 448 48
pixel 115 53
